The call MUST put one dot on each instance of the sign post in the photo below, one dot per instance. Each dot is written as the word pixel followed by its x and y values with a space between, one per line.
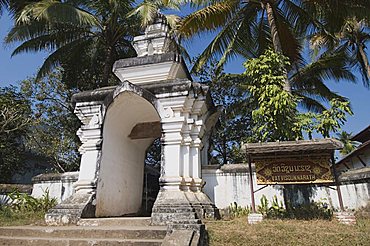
pixel 293 162
pixel 340 199
pixel 251 184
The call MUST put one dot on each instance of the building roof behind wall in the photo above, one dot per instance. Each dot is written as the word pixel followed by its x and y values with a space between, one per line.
pixel 360 150
pixel 362 136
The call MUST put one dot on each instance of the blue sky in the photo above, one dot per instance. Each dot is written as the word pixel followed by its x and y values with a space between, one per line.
pixel 17 68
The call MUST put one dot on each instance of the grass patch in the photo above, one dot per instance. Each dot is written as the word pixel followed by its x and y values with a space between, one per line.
pixel 23 209
pixel 288 232
pixel 11 218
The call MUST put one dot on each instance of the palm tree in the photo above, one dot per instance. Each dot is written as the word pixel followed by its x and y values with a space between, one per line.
pixel 353 38
pixel 346 29
pixel 148 10
pixel 308 80
pixel 70 28
pixel 247 28
pixel 3 4
pixel 349 145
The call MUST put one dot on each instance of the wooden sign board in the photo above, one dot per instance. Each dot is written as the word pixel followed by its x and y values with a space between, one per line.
pixel 312 170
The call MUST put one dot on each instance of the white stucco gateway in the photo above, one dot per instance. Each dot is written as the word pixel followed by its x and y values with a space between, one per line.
pixel 156 98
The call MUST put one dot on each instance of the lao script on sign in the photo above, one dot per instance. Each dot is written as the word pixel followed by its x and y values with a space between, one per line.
pixel 294 171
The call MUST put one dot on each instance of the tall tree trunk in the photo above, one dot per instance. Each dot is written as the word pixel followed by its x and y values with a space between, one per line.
pixel 361 49
pixel 107 66
pixel 275 38
pixel 224 149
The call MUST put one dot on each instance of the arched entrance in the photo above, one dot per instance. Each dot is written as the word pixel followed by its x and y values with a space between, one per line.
pixel 131 124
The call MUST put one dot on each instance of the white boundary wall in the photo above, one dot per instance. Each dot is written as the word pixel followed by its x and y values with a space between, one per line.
pixel 59 186
pixel 230 183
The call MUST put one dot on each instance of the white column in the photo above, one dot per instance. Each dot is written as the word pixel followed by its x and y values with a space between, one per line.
pixel 172 126
pixel 90 114
pixel 186 142
pixel 196 146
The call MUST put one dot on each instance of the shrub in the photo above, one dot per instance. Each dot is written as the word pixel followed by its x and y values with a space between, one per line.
pixel 236 211
pixel 275 211
pixel 313 210
pixel 22 202
pixel 23 209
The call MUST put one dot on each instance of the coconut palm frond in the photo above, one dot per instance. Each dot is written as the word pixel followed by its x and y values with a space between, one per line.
pixel 53 11
pixel 208 18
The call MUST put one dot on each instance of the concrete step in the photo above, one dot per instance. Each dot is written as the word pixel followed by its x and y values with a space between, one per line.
pixel 121 221
pixel 181 216
pixel 169 209
pixel 36 241
pixel 103 232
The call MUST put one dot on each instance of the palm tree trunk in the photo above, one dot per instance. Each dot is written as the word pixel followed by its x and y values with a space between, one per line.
pixel 224 149
pixel 275 37
pixel 365 60
pixel 273 28
pixel 107 66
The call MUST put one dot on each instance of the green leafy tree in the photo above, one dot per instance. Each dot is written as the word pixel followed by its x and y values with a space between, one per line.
pixel 85 36
pixel 248 28
pixel 148 10
pixel 54 134
pixel 355 38
pixel 233 125
pixel 15 119
pixel 349 145
pixel 276 116
pixel 352 39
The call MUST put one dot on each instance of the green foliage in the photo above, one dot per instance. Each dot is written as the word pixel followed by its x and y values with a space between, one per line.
pixel 276 113
pixel 234 108
pixel 326 122
pixel 313 210
pixel 276 116
pixel 15 120
pixel 236 211
pixel 84 37
pixel 22 202
pixel 263 208
pixel 276 210
pixel 349 145
pixel 153 154
pixel 23 209
pixel 10 218
pixel 330 120
pixel 54 133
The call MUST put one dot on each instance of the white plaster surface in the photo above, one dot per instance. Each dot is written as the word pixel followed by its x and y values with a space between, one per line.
pixel 140 75
pixel 120 183
pixel 60 189
pixel 224 188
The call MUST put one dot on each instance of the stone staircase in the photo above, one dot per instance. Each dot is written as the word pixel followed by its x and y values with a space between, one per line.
pixel 91 232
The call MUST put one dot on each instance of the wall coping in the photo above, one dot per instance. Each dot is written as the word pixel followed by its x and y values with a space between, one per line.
pixel 8 188
pixel 227 168
pixel 355 175
pixel 45 177
pixel 360 175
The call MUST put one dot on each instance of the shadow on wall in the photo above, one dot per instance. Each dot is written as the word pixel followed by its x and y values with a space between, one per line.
pixel 296 195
